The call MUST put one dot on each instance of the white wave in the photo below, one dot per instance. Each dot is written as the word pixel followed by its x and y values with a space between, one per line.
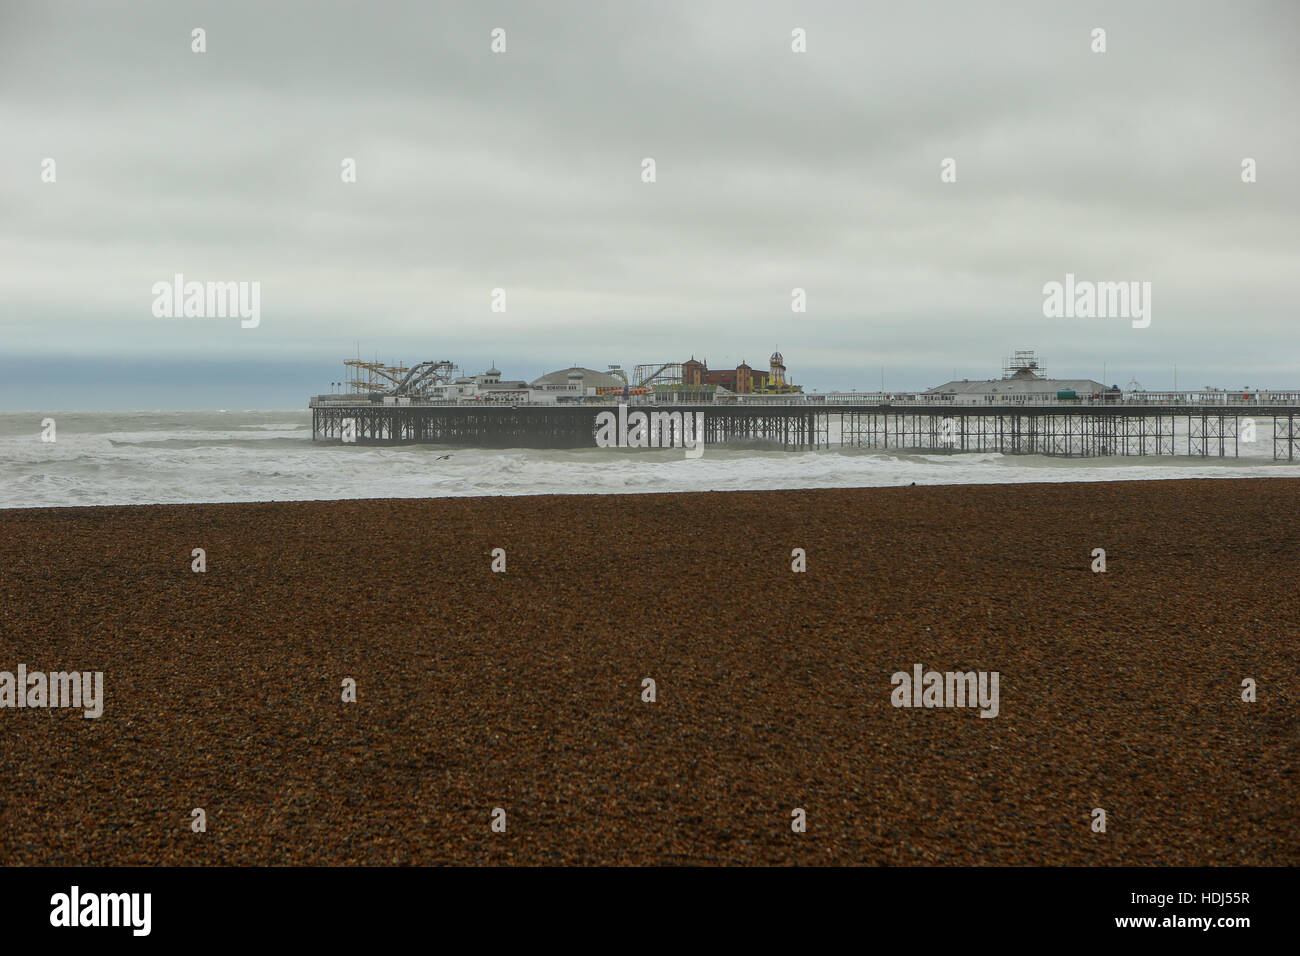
pixel 173 457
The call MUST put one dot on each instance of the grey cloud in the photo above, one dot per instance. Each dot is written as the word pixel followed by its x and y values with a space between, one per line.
pixel 774 170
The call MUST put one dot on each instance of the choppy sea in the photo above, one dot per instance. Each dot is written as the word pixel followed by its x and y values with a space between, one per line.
pixel 106 458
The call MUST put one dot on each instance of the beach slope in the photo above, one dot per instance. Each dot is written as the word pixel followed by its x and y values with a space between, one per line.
pixel 523 690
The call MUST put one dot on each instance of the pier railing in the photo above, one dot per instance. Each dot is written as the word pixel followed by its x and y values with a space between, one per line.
pixel 1213 398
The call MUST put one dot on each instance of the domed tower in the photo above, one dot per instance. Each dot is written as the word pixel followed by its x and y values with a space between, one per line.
pixel 777 376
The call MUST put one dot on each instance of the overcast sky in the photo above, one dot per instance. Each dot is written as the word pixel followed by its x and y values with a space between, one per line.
pixel 522 171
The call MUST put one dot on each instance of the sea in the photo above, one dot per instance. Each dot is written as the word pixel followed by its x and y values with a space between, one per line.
pixel 147 457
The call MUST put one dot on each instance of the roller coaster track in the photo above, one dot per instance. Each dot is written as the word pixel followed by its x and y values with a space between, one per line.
pixel 424 374
pixel 649 379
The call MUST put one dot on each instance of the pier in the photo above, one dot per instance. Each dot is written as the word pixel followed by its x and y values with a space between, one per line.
pixel 1065 430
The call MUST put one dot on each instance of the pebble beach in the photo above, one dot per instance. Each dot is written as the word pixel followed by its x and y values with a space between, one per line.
pixel 524 690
